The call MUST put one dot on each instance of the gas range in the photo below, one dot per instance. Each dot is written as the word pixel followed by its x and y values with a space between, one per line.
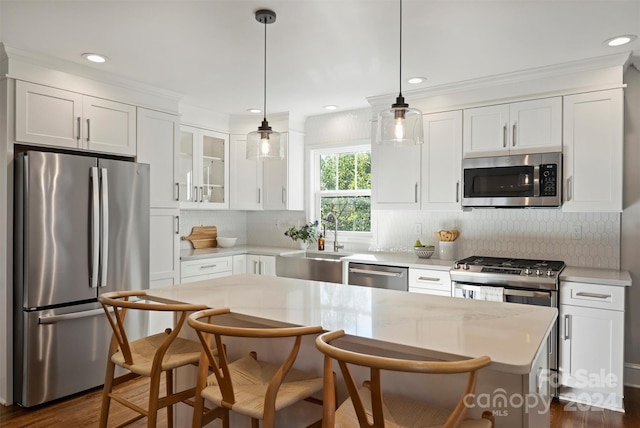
pixel 507 272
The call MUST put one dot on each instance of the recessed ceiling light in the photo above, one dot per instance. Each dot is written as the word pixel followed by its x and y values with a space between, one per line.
pixel 330 107
pixel 254 110
pixel 416 80
pixel 620 40
pixel 94 57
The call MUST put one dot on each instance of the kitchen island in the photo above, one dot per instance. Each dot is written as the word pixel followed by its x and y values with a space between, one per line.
pixel 514 386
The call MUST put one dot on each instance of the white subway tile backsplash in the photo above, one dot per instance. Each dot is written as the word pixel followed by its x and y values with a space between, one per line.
pixel 232 224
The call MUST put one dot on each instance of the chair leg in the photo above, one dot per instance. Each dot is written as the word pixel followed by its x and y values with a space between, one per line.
pixel 169 386
pixel 255 423
pixel 154 394
pixel 106 391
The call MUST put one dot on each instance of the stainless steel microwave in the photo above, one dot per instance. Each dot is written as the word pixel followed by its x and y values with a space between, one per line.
pixel 516 181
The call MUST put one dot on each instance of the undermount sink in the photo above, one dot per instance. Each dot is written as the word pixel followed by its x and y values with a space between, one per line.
pixel 311 265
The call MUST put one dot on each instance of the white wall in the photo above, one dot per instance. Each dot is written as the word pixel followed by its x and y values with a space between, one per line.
pixel 630 235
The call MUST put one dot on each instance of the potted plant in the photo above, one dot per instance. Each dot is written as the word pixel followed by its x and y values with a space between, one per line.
pixel 307 234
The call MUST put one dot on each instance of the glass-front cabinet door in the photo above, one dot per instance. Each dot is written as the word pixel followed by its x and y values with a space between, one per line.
pixel 204 169
pixel 214 164
pixel 188 186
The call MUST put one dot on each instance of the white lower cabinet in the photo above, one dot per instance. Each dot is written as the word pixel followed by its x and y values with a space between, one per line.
pixel 261 265
pixel 239 264
pixel 429 281
pixel 592 344
pixel 198 270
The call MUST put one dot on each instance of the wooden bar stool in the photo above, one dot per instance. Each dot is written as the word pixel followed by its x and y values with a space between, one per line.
pixel 248 386
pixel 148 356
pixel 366 406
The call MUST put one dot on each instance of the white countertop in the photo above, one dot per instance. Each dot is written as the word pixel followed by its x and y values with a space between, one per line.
pixel 440 327
pixel 204 253
pixel 596 276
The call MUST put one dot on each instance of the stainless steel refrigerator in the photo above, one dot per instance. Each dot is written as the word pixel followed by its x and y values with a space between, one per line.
pixel 81 229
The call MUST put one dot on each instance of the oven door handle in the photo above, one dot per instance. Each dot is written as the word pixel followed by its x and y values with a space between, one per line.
pixel 526 293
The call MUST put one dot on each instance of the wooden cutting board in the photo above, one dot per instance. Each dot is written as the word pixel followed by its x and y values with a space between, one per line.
pixel 202 237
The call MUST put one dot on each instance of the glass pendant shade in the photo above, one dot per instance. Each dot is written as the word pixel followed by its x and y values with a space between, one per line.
pixel 264 143
pixel 400 125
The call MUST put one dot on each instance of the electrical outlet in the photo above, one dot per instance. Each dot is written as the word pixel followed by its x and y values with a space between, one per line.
pixel 417 229
pixel 576 231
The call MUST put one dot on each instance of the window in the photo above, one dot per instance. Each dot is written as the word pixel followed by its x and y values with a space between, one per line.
pixel 342 179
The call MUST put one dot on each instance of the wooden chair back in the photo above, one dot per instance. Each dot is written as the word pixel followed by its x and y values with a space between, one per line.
pixel 220 365
pixel 376 364
pixel 115 305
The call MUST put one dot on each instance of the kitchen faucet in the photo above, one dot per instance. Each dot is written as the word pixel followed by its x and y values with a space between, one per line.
pixel 336 246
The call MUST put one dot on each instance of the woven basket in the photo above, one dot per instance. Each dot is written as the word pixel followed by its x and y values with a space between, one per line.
pixel 424 252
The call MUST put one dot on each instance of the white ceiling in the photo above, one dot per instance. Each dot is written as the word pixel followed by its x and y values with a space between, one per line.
pixel 319 51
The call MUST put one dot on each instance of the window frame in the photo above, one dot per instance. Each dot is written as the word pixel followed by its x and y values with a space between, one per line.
pixel 314 188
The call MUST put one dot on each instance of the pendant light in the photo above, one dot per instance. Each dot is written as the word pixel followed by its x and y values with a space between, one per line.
pixel 264 143
pixel 400 125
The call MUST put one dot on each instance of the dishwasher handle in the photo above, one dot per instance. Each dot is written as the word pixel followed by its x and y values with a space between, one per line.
pixel 375 272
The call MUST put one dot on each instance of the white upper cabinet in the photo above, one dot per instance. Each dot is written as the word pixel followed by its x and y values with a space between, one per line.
pixel 157 135
pixel 533 126
pixel 284 179
pixel 270 184
pixel 203 169
pixel 593 151
pixel 55 117
pixel 245 177
pixel 441 161
pixel 395 176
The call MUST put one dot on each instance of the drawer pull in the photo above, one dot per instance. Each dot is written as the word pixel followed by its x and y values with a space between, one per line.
pixel 207 266
pixel 593 295
pixel 426 278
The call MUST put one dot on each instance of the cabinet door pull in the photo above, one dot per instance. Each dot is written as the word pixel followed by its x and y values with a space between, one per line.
pixel 569 188
pixel 593 295
pixel 415 193
pixel 195 193
pixel 177 225
pixel 426 278
pixel 207 266
pixel 201 194
pixel 88 129
pixel 259 194
pixel 284 195
pixel 79 125
pixel 504 135
pixel 458 191
pixel 567 326
pixel 513 136
pixel 255 266
pixel 261 265
pixel 177 191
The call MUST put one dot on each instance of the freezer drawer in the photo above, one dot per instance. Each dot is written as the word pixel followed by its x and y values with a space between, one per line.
pixel 63 351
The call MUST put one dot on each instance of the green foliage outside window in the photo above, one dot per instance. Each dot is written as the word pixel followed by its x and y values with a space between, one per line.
pixel 346 173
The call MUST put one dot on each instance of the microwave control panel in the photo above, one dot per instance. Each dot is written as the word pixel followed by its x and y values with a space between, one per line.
pixel 549 179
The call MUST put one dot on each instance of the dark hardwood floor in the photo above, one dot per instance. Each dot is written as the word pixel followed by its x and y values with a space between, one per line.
pixel 84 411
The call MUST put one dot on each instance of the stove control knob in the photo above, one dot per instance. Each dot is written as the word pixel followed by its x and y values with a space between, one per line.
pixel 549 273
pixel 465 266
pixel 456 265
pixel 527 271
pixel 538 272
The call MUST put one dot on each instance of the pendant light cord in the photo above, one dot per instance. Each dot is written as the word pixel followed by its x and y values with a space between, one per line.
pixel 400 77
pixel 265 70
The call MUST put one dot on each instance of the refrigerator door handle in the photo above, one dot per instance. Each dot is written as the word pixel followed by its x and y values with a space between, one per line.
pixel 104 230
pixel 52 319
pixel 95 226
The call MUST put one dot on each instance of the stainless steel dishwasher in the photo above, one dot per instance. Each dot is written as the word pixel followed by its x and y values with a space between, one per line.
pixel 379 276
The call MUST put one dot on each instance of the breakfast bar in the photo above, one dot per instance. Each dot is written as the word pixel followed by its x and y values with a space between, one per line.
pixel 514 387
